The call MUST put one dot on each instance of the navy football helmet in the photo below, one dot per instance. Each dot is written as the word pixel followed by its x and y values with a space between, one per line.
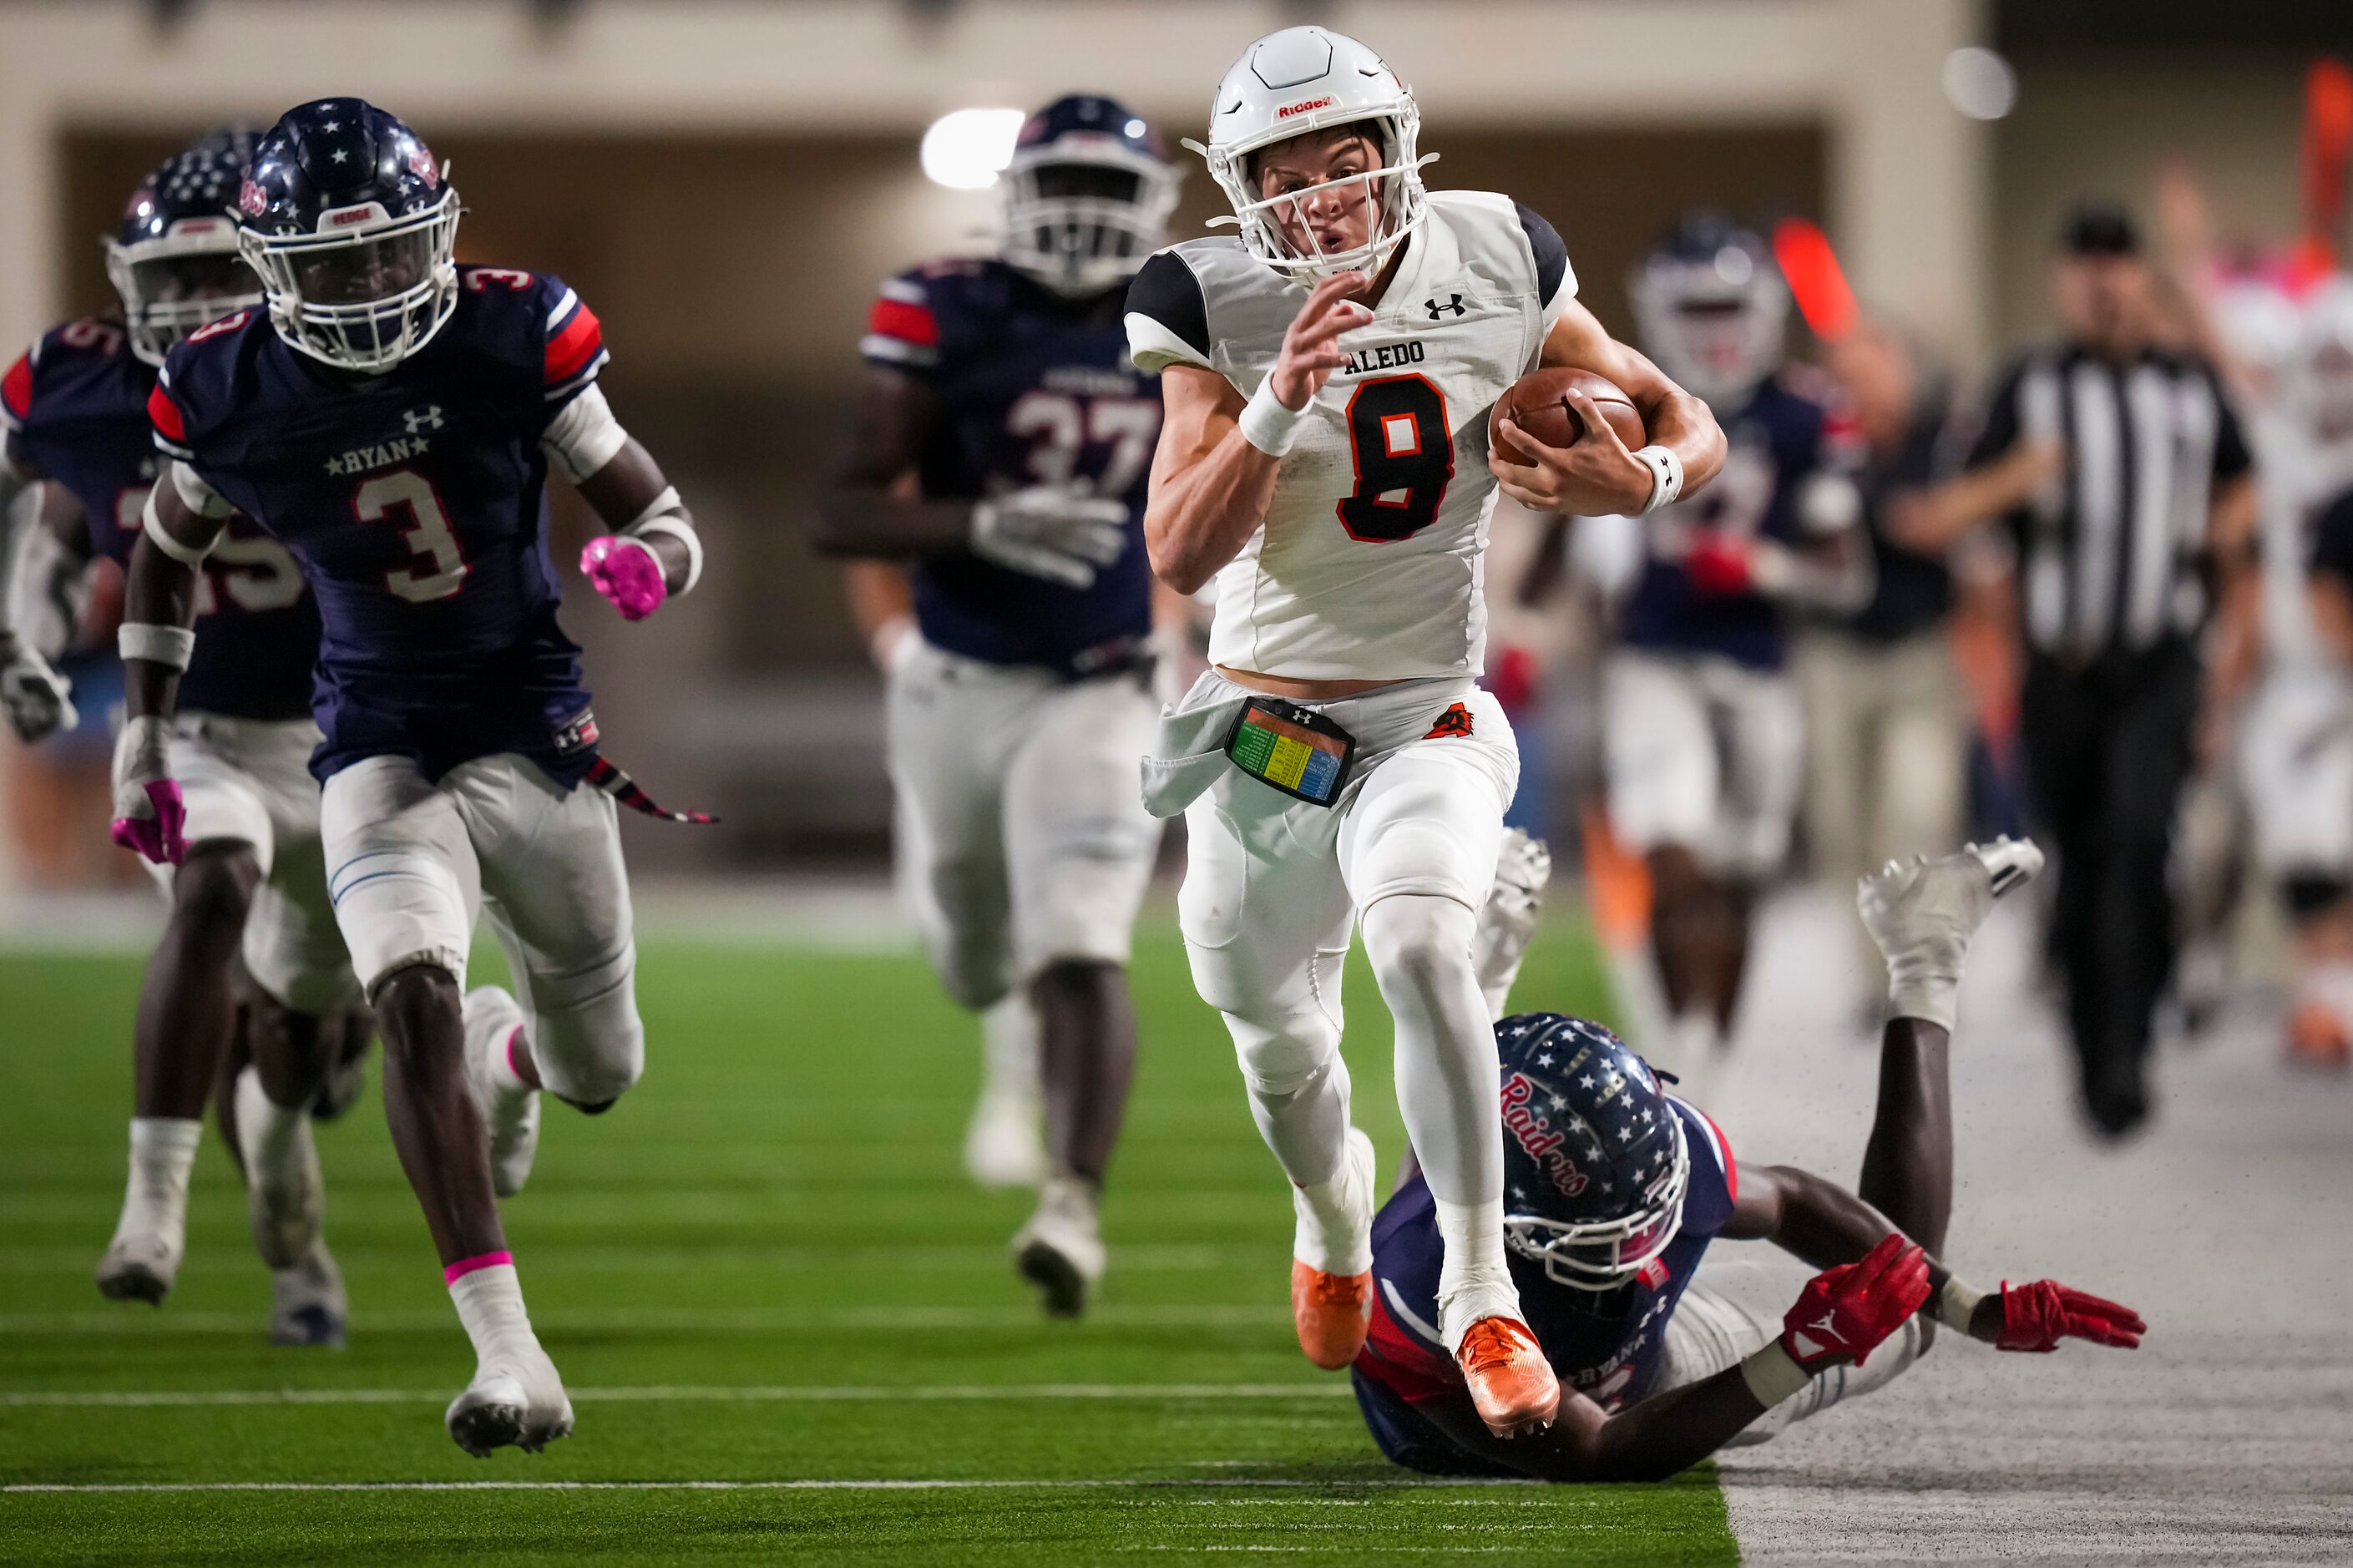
pixel 1595 1164
pixel 354 229
pixel 1712 308
pixel 1087 195
pixel 174 261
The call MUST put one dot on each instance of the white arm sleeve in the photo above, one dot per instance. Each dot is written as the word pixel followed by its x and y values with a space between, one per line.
pixel 197 496
pixel 583 436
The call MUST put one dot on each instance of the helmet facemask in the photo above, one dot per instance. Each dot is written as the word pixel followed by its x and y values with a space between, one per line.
pixel 366 291
pixel 1080 220
pixel 1599 1256
pixel 1715 326
pixel 173 285
pixel 1393 188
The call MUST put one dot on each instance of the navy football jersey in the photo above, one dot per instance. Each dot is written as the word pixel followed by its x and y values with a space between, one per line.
pixel 1782 437
pixel 415 502
pixel 1031 389
pixel 1613 1360
pixel 75 410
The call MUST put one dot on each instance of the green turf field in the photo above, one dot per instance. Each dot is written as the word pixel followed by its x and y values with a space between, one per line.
pixel 763 1270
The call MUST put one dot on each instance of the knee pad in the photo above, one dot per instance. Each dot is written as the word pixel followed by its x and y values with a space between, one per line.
pixel 586 1034
pixel 1417 939
pixel 1281 1052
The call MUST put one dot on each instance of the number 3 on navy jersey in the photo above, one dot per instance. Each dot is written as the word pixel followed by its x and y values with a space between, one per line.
pixel 441 567
pixel 1404 456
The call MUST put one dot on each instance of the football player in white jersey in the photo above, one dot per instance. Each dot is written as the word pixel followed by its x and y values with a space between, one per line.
pixel 1327 456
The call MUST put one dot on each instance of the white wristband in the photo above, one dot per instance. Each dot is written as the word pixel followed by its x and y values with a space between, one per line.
pixel 666 515
pixel 1666 477
pixel 168 645
pixel 1956 1304
pixel 1267 425
pixel 1773 1375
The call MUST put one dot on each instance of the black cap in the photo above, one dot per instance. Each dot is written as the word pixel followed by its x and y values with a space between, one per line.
pixel 2099 228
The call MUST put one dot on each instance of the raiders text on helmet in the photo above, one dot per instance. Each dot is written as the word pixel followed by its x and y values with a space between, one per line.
pixel 1595 1165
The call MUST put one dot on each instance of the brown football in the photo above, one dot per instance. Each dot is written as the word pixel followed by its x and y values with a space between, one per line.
pixel 1538 404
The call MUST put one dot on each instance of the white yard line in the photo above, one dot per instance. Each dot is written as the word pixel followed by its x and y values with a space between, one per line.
pixel 782 1394
pixel 1398 1483
pixel 692 1320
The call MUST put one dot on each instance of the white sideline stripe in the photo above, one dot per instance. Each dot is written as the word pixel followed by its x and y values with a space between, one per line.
pixel 1401 1483
pixel 813 1393
pixel 692 1318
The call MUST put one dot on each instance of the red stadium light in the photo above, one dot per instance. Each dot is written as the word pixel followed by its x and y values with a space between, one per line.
pixel 1816 281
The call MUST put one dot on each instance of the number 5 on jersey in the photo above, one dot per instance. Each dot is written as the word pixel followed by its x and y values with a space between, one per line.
pixel 442 567
pixel 1403 452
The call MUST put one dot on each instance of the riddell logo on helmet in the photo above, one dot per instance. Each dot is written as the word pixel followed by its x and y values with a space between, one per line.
pixel 1288 110
pixel 1536 1137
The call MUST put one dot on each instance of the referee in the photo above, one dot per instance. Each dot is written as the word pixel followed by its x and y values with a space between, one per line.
pixel 2123 480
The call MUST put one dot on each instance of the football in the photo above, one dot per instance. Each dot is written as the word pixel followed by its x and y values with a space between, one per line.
pixel 1538 404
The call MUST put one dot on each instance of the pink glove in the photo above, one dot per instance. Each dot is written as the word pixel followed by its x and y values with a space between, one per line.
pixel 1719 566
pixel 627 572
pixel 2035 1318
pixel 1845 1312
pixel 160 830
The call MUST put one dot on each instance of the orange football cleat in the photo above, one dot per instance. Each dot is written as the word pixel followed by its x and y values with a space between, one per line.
pixel 1511 1382
pixel 1331 1312
pixel 2317 1038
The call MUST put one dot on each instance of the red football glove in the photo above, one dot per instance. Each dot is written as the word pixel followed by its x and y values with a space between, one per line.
pixel 1719 566
pixel 1512 677
pixel 1845 1312
pixel 2036 1317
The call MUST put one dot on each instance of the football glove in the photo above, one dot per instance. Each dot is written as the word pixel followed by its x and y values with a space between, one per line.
pixel 149 816
pixel 39 700
pixel 2036 1317
pixel 1845 1312
pixel 627 572
pixel 1051 532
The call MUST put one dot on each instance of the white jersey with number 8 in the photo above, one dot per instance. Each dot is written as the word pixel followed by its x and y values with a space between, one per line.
pixel 1370 563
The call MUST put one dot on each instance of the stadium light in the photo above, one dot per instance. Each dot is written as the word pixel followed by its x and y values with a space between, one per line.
pixel 965 149
pixel 1979 83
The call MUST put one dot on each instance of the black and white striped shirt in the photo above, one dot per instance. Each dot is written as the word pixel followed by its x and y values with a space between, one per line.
pixel 2109 553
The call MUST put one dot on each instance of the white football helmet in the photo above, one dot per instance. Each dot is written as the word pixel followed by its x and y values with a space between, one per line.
pixel 1310 79
pixel 1713 309
pixel 2316 383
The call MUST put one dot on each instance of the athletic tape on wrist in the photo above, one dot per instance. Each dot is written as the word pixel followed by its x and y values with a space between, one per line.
pixel 1267 425
pixel 167 646
pixel 152 523
pixel 668 515
pixel 1956 1304
pixel 1772 1375
pixel 1666 477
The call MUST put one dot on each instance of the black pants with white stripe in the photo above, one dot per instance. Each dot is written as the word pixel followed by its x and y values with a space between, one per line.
pixel 2108 750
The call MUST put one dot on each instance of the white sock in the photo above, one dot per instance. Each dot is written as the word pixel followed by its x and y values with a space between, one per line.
pixel 155 1200
pixel 1306 1128
pixel 489 1298
pixel 269 1134
pixel 504 1076
pixel 1009 1037
pixel 1332 1233
pixel 1474 1280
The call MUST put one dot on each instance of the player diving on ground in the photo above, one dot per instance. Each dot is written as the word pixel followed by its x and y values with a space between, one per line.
pixel 1615 1190
pixel 1327 375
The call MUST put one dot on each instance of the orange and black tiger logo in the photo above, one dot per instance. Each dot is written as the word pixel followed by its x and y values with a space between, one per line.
pixel 1452 724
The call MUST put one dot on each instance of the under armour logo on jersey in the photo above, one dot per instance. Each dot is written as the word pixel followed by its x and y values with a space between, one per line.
pixel 1453 302
pixel 1454 724
pixel 421 419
